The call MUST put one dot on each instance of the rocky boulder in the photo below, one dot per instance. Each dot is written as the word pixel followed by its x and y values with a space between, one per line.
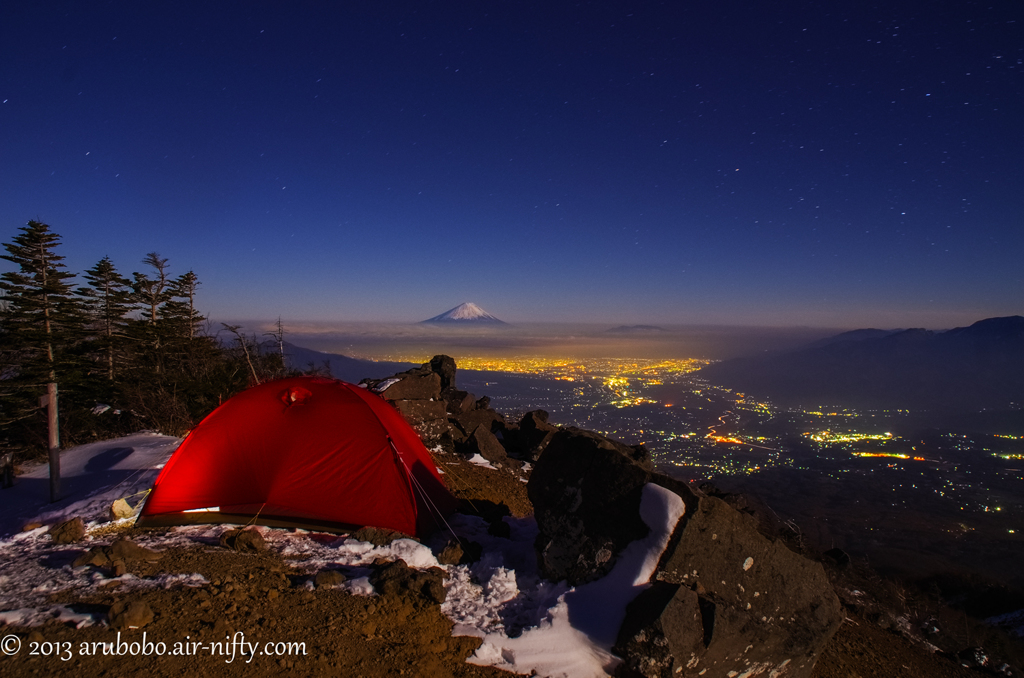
pixel 418 587
pixel 486 444
pixel 662 623
pixel 467 422
pixel 416 393
pixel 532 436
pixel 458 402
pixel 130 614
pixel 427 417
pixel 243 540
pixel 416 384
pixel 763 607
pixel 460 553
pixel 68 532
pixel 444 367
pixel 378 536
pixel 441 414
pixel 586 492
pixel 121 509
pixel 725 599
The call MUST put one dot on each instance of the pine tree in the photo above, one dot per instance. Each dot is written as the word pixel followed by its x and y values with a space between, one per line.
pixel 152 293
pixel 108 301
pixel 44 318
pixel 42 327
pixel 180 310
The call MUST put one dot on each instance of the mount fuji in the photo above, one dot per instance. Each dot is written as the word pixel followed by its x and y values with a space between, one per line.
pixel 468 314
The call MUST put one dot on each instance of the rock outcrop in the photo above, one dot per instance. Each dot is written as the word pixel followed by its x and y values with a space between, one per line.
pixel 445 416
pixel 586 492
pixel 416 393
pixel 763 607
pixel 725 599
pixel 532 436
pixel 457 421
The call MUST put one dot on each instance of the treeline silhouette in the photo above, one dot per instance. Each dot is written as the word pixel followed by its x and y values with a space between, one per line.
pixel 127 353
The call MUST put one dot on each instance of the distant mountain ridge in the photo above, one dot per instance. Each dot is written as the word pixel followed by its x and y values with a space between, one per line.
pixel 964 369
pixel 352 370
pixel 467 313
pixel 635 329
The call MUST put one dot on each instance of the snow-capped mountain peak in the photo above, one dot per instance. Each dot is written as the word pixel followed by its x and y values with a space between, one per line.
pixel 463 313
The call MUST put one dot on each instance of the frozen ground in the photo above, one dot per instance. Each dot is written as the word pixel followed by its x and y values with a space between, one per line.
pixel 526 623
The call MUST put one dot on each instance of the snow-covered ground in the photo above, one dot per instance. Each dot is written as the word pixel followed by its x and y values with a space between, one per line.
pixel 92 477
pixel 527 624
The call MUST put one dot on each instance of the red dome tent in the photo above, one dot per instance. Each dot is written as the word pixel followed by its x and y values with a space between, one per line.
pixel 302 452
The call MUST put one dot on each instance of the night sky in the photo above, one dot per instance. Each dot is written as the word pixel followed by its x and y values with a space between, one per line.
pixel 792 163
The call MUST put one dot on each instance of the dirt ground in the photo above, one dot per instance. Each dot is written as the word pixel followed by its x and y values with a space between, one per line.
pixel 261 598
pixel 861 649
pixel 255 594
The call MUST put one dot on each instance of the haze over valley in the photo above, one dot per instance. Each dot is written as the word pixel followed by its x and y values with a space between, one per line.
pixel 915 491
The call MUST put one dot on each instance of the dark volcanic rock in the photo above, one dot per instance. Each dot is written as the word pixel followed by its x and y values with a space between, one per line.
pixel 378 536
pixel 763 606
pixel 427 417
pixel 424 396
pixel 413 385
pixel 244 540
pixel 470 421
pixel 586 492
pixel 484 443
pixel 441 414
pixel 451 554
pixel 662 624
pixel 726 601
pixel 533 435
pixel 418 586
pixel 458 401
pixel 127 550
pixel 444 367
pixel 460 553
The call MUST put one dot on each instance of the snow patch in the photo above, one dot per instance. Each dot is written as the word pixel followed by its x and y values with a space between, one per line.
pixel 550 628
pixel 384 385
pixel 480 461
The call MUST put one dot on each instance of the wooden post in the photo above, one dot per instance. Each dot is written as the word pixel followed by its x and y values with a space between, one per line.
pixel 54 425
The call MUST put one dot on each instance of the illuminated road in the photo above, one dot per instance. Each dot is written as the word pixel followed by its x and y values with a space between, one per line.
pixel 713 434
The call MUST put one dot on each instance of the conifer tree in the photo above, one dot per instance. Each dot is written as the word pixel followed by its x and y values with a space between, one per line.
pixel 108 301
pixel 42 326
pixel 152 293
pixel 43 318
pixel 180 309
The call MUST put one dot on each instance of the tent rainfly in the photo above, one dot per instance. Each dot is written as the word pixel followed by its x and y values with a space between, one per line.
pixel 305 452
